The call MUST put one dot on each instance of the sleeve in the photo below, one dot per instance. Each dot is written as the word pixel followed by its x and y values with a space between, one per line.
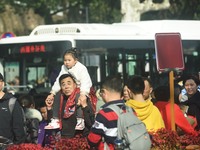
pixel 195 111
pixel 104 125
pixel 88 115
pixel 34 130
pixel 85 81
pixel 181 120
pixel 96 132
pixel 56 86
pixel 18 124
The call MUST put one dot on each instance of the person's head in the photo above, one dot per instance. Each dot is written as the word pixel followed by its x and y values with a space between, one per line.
pixel 191 84
pixel 43 110
pixel 162 93
pixel 1 82
pixel 49 103
pixel 16 80
pixel 111 89
pixel 67 84
pixel 177 93
pixel 126 93
pixel 148 88
pixel 136 85
pixel 27 101
pixel 70 57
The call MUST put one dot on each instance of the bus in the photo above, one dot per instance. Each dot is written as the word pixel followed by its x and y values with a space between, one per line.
pixel 123 49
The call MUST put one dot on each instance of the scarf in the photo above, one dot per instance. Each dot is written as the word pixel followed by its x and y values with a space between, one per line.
pixel 70 104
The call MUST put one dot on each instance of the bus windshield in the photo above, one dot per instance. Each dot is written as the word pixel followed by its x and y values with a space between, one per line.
pixel 35 65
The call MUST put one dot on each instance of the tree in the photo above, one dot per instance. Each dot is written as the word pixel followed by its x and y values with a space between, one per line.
pixel 21 16
pixel 133 9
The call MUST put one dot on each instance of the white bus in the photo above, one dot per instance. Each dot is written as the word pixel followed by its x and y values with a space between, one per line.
pixel 106 49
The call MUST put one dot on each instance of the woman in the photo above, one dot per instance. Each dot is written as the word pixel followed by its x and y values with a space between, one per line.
pixel 191 85
pixel 32 117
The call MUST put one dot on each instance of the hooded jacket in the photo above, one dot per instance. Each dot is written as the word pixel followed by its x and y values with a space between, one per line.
pixel 12 124
pixel 148 114
pixel 33 118
pixel 180 119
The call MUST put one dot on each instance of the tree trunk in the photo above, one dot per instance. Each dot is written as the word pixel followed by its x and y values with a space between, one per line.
pixel 19 23
pixel 132 9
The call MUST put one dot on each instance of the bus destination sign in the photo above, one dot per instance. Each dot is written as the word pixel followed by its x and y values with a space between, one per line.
pixel 32 49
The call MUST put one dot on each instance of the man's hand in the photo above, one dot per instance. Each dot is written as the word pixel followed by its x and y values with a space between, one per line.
pixel 82 101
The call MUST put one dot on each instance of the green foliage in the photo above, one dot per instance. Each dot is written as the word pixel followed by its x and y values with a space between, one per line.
pixel 179 9
pixel 100 11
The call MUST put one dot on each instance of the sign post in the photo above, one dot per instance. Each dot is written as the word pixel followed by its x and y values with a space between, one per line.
pixel 169 57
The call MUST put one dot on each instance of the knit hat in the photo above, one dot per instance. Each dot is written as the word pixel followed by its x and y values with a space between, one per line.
pixel 1 77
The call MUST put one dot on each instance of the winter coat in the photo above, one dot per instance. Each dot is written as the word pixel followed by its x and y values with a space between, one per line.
pixel 33 118
pixel 82 79
pixel 12 124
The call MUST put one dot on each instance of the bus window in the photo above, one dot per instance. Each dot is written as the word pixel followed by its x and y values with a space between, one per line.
pixel 11 71
pixel 37 76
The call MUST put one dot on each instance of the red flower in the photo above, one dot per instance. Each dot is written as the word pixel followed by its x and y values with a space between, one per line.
pixel 166 139
pixel 27 146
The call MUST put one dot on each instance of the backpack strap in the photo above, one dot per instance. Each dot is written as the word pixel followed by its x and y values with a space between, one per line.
pixel 11 104
pixel 119 110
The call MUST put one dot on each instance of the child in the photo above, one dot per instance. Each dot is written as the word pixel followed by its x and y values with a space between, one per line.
pixel 33 117
pixel 43 123
pixel 78 70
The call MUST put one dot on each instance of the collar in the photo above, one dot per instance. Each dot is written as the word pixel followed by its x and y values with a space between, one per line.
pixel 113 102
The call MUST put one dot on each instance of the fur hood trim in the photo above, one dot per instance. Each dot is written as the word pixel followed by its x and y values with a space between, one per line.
pixel 31 113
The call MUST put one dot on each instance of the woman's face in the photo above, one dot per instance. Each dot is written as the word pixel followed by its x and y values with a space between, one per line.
pixel 126 93
pixel 191 87
pixel 69 61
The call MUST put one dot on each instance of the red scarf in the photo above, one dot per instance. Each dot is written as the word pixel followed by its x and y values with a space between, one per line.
pixel 70 104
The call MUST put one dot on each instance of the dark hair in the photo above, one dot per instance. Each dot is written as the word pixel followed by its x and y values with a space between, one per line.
pixel 1 77
pixel 66 76
pixel 136 84
pixel 193 77
pixel 72 51
pixel 148 80
pixel 177 92
pixel 26 101
pixel 40 100
pixel 113 83
pixel 162 93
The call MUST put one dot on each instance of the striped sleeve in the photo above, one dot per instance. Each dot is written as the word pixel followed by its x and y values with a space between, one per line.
pixel 105 126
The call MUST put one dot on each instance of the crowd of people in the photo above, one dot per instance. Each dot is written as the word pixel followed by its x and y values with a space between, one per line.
pixel 69 108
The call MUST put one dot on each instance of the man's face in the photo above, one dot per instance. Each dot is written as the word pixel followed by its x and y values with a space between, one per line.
pixel 67 86
pixel 147 90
